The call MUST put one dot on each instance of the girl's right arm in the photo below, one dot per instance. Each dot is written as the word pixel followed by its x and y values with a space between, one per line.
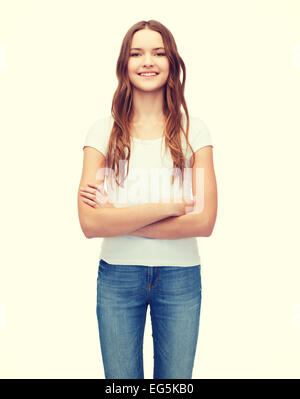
pixel 110 222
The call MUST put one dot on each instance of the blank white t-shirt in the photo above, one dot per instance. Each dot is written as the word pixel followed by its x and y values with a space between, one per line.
pixel 149 180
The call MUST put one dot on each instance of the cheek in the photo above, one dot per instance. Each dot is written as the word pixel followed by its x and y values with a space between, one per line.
pixel 132 74
pixel 132 61
pixel 131 67
pixel 165 66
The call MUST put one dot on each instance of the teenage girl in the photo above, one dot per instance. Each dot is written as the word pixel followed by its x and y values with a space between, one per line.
pixel 157 164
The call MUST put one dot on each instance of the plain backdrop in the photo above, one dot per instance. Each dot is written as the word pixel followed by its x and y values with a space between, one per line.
pixel 57 76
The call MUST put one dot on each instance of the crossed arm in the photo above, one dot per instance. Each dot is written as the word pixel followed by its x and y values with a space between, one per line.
pixel 197 223
pixel 201 221
pixel 189 225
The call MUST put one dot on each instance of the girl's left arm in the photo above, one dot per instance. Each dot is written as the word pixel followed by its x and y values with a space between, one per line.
pixel 200 222
pixel 189 225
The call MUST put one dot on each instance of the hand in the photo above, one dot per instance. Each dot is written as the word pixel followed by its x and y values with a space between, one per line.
pixel 95 196
pixel 184 206
pixel 189 206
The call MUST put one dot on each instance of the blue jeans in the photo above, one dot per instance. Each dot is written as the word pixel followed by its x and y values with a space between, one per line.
pixel 123 295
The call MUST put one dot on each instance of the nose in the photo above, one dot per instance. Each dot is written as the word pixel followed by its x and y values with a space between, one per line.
pixel 148 60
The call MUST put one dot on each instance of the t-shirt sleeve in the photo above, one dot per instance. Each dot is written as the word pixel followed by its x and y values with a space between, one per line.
pixel 97 135
pixel 200 134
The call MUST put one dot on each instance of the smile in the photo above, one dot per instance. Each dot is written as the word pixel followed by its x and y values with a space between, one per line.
pixel 148 75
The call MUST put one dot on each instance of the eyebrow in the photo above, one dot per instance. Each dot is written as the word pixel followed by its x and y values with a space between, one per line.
pixel 155 48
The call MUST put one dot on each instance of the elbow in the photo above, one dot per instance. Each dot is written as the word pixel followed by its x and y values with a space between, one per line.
pixel 210 224
pixel 91 231
pixel 209 231
pixel 88 222
pixel 87 234
pixel 205 226
pixel 87 230
pixel 91 228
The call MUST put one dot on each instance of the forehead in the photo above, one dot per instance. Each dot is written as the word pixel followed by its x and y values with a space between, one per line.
pixel 147 39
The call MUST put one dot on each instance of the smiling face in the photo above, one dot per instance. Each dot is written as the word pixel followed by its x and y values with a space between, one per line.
pixel 147 54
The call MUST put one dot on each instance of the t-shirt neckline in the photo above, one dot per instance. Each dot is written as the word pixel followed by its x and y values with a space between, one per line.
pixel 146 140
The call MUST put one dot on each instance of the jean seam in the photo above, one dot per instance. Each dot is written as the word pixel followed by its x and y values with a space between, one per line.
pixel 157 278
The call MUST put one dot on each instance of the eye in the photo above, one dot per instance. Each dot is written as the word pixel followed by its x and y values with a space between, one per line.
pixel 138 54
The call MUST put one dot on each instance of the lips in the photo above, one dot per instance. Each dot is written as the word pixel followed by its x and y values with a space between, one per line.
pixel 148 72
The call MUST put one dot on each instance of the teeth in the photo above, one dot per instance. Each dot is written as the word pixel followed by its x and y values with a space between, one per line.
pixel 147 74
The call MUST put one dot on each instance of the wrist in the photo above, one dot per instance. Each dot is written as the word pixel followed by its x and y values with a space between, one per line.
pixel 175 208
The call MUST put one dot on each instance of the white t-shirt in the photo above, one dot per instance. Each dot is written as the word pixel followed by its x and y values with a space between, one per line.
pixel 149 180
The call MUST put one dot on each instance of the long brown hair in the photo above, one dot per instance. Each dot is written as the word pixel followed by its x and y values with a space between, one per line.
pixel 121 110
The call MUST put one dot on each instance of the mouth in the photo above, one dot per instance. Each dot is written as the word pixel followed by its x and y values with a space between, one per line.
pixel 148 76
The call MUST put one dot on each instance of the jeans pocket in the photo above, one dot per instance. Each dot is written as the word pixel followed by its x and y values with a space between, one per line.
pixel 101 268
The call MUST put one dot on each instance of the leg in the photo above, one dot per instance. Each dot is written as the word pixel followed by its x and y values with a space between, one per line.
pixel 175 314
pixel 121 314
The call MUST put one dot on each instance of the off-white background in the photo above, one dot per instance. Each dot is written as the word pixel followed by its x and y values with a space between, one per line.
pixel 57 75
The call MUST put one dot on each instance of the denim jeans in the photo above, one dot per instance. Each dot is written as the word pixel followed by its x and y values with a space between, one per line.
pixel 123 295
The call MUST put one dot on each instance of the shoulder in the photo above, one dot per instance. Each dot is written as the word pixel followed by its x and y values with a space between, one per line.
pixel 199 133
pixel 197 125
pixel 100 125
pixel 98 133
